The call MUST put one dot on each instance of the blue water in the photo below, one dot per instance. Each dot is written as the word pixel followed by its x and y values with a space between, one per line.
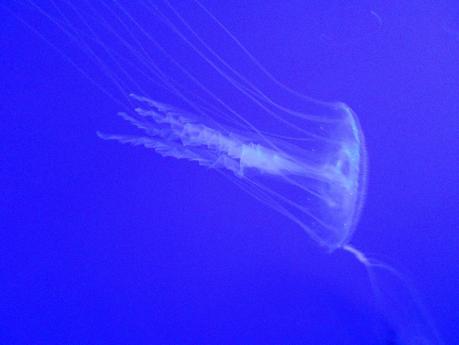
pixel 109 244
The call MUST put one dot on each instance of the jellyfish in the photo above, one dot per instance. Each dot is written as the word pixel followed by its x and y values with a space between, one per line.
pixel 324 176
pixel 302 157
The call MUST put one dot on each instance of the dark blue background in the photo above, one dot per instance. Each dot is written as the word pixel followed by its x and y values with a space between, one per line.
pixel 109 244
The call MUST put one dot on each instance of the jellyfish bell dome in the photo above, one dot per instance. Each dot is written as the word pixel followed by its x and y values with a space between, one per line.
pixel 346 183
pixel 323 186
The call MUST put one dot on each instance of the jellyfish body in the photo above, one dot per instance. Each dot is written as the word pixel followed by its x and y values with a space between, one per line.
pixel 309 164
pixel 319 183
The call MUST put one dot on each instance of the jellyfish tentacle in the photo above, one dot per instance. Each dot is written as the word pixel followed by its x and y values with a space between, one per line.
pixel 259 65
pixel 407 317
pixel 249 87
pixel 236 84
pixel 163 147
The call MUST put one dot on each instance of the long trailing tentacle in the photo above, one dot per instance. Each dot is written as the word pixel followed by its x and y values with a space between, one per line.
pixel 408 317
